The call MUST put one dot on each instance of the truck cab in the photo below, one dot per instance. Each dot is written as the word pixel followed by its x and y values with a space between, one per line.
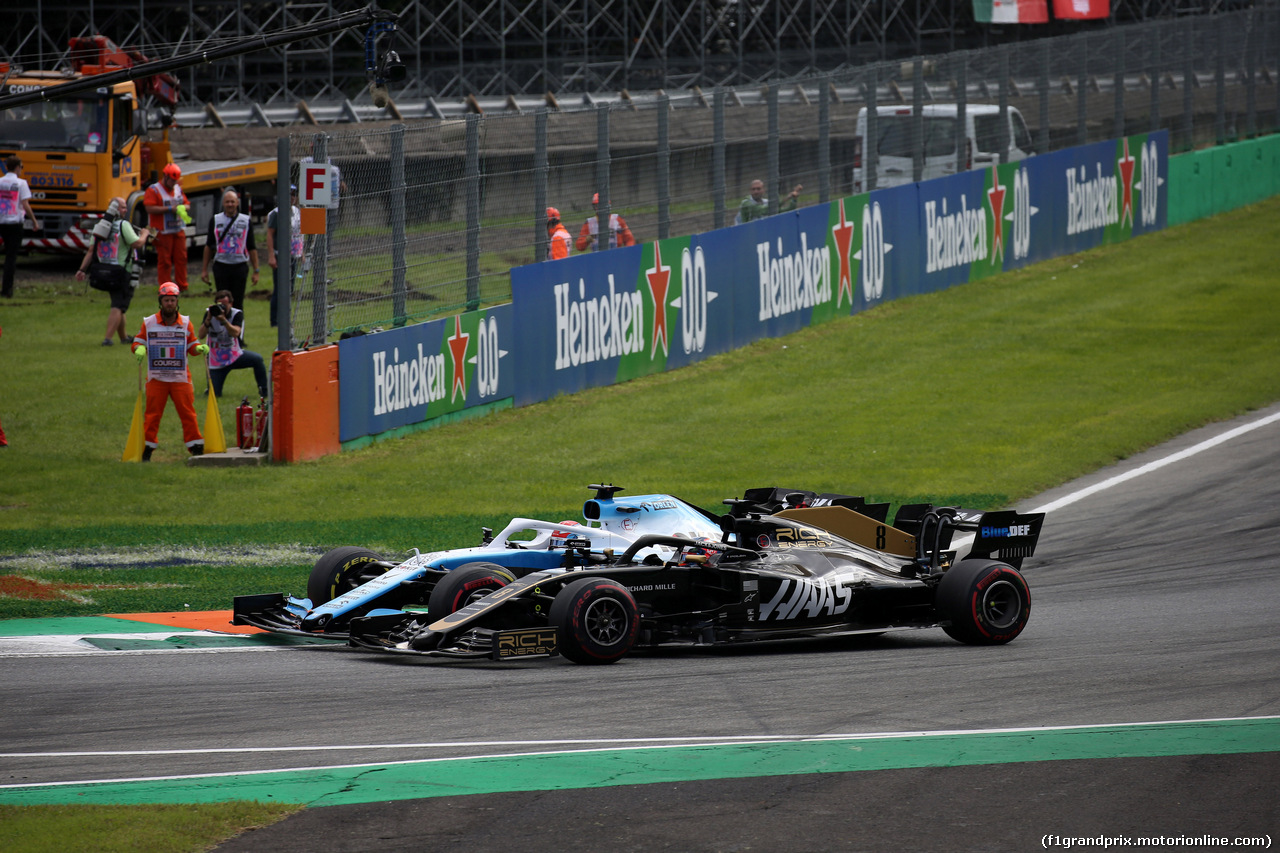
pixel 894 142
pixel 78 152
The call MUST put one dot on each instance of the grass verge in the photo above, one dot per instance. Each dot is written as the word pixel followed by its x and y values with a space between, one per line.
pixel 126 829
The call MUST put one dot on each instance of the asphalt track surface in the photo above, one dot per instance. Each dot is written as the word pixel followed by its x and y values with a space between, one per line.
pixel 1153 600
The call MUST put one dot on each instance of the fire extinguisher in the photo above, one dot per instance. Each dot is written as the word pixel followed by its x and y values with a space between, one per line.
pixel 244 424
pixel 262 422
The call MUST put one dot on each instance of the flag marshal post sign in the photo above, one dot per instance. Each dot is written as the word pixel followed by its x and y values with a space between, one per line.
pixel 314 194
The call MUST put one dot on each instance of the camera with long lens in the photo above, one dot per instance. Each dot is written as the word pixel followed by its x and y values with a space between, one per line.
pixel 215 310
pixel 102 229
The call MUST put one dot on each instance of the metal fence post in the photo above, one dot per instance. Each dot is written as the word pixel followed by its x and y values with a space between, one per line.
pixel 473 211
pixel 774 184
pixel 824 139
pixel 870 145
pixel 917 118
pixel 602 176
pixel 1004 103
pixel 717 155
pixel 1156 31
pixel 1188 85
pixel 1082 94
pixel 1118 123
pixel 664 167
pixel 399 308
pixel 1220 81
pixel 284 272
pixel 541 240
pixel 1275 44
pixel 1251 75
pixel 320 261
pixel 962 110
pixel 1043 86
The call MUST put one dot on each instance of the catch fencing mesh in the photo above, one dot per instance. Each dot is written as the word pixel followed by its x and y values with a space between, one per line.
pixel 434 215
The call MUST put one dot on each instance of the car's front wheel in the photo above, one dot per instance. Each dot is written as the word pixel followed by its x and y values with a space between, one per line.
pixel 464 585
pixel 342 570
pixel 983 602
pixel 596 620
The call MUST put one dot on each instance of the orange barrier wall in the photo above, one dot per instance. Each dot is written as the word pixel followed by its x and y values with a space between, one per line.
pixel 304 417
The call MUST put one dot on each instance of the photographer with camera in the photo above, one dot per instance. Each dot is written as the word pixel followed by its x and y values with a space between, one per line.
pixel 221 329
pixel 109 265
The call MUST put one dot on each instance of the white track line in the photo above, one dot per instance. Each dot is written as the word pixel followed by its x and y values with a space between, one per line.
pixel 585 746
pixel 1158 463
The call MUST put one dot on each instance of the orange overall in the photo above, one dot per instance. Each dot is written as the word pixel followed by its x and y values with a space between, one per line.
pixel 168 376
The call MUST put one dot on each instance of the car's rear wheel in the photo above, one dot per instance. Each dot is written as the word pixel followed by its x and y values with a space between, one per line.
pixel 983 602
pixel 340 571
pixel 464 585
pixel 596 620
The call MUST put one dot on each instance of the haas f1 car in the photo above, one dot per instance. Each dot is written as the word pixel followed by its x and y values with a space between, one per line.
pixel 781 564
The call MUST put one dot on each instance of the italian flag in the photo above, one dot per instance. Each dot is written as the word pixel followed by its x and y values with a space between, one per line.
pixel 1013 11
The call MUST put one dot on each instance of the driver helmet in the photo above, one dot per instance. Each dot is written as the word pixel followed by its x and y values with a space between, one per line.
pixel 709 556
pixel 168 289
pixel 563 535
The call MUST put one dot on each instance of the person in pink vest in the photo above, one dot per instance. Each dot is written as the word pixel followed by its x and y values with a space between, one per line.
pixel 231 249
pixel 113 242
pixel 15 206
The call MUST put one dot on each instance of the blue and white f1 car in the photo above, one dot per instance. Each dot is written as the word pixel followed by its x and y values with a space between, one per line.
pixel 350 582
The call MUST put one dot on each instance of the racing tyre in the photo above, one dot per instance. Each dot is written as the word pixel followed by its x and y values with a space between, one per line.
pixel 342 570
pixel 986 602
pixel 464 585
pixel 596 620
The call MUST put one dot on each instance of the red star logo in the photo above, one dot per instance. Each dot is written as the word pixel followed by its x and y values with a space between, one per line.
pixel 458 348
pixel 1126 165
pixel 995 197
pixel 843 234
pixel 659 277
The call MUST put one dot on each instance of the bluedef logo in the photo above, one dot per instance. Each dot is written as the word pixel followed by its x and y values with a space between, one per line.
pixel 408 384
pixel 1003 532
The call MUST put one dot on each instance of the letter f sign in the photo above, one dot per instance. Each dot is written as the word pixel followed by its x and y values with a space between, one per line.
pixel 315 187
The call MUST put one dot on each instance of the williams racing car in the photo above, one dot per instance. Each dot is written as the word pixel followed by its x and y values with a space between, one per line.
pixel 781 564
pixel 348 582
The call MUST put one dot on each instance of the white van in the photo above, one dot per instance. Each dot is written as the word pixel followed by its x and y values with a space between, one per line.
pixel 893 142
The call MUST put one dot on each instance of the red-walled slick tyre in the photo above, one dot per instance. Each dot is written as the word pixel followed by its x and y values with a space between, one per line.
pixel 596 620
pixel 985 602
pixel 464 585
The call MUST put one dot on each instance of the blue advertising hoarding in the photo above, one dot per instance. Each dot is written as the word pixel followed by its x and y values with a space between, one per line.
pixel 606 317
pixel 421 373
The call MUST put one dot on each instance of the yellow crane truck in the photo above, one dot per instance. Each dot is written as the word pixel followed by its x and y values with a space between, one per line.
pixel 81 149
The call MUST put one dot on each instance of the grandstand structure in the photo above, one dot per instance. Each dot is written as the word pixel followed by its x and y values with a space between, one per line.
pixel 459 49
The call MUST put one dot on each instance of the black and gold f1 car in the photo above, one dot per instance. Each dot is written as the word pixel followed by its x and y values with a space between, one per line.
pixel 789 564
